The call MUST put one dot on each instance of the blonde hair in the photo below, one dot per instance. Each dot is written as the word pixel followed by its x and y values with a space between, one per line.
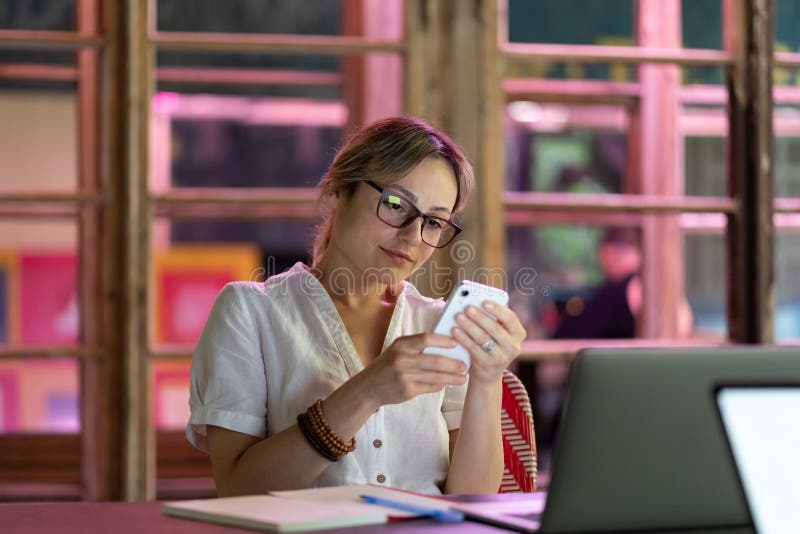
pixel 386 151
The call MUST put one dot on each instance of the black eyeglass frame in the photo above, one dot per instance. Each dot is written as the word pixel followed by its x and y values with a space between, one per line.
pixel 417 214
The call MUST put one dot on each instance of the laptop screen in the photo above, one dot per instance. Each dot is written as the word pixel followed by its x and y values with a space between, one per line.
pixel 763 428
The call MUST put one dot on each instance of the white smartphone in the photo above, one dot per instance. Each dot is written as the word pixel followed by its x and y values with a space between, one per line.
pixel 466 292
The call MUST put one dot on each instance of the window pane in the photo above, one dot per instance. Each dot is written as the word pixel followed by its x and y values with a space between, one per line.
pixel 703 125
pixel 560 70
pixel 787 38
pixel 787 20
pixel 170 379
pixel 38 283
pixel 38 57
pixel 787 151
pixel 320 17
pixel 571 22
pixel 701 23
pixel 577 149
pixel 45 122
pixel 251 61
pixel 702 76
pixel 39 15
pixel 705 165
pixel 554 271
pixel 787 287
pixel 195 258
pixel 245 142
pixel 39 396
pixel 705 281
pixel 181 470
pixel 266 127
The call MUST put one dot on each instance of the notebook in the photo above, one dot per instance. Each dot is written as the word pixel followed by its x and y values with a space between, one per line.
pixel 266 512
pixel 640 445
pixel 308 509
pixel 762 425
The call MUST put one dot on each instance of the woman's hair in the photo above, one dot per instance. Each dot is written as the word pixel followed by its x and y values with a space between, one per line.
pixel 386 151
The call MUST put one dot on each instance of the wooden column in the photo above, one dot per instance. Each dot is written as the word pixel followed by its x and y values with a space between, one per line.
pixel 748 34
pixel 456 84
pixel 130 105
pixel 658 25
pixel 100 377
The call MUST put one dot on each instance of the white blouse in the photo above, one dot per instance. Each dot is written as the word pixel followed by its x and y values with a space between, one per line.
pixel 268 351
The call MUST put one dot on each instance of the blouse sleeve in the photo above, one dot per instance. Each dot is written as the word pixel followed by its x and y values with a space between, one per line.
pixel 228 380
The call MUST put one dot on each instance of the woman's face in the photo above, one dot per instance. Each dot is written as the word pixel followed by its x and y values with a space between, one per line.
pixel 362 242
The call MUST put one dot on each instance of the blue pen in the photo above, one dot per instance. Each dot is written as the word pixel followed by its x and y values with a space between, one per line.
pixel 439 515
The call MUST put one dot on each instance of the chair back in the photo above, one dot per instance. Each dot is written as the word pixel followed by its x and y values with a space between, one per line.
pixel 519 438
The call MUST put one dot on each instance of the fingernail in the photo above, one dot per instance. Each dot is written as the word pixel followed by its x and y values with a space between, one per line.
pixel 489 305
pixel 472 310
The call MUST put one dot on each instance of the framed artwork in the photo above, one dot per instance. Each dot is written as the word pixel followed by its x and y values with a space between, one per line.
pixel 188 279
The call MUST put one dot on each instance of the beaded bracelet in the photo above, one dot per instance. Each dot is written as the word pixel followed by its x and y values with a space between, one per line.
pixel 319 435
pixel 303 426
pixel 317 419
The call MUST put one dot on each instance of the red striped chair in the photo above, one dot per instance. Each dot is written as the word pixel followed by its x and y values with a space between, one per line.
pixel 519 438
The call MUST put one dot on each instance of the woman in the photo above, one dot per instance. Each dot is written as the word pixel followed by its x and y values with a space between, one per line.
pixel 350 331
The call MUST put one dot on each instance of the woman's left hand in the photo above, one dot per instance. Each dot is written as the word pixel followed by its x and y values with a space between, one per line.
pixel 491 344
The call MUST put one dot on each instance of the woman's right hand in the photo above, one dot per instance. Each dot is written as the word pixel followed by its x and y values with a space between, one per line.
pixel 402 371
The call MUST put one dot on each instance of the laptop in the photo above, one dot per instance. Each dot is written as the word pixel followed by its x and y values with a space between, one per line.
pixel 640 446
pixel 762 425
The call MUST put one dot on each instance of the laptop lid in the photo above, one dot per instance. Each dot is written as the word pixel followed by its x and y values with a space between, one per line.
pixel 762 424
pixel 640 446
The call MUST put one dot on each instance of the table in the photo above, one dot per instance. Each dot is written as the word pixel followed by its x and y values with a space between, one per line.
pixel 146 517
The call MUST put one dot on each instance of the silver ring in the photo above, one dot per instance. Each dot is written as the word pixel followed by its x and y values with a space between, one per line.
pixel 488 345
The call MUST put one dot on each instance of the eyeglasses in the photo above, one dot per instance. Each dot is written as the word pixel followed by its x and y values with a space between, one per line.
pixel 398 212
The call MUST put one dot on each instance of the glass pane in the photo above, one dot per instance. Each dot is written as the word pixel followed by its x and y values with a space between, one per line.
pixel 571 22
pixel 787 151
pixel 38 57
pixel 265 127
pixel 561 70
pixel 39 396
pixel 787 288
pixel 245 143
pixel 702 76
pixel 701 23
pixel 787 38
pixel 253 62
pixel 38 15
pixel 704 126
pixel 320 17
pixel 38 282
pixel 40 152
pixel 170 383
pixel 705 165
pixel 555 270
pixel 566 148
pixel 195 258
pixel 787 20
pixel 705 261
